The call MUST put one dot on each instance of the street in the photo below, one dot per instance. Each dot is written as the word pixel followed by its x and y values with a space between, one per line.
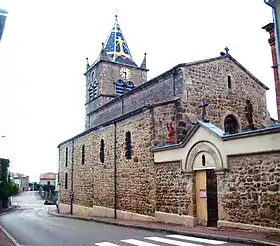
pixel 30 224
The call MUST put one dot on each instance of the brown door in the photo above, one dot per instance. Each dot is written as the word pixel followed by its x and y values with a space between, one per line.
pixel 212 198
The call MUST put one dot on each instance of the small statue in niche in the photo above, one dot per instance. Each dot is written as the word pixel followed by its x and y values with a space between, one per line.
pixel 249 114
pixel 171 133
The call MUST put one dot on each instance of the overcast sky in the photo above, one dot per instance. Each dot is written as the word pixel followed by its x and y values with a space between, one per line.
pixel 45 43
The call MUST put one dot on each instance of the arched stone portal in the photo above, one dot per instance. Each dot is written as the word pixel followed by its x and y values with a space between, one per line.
pixel 204 159
pixel 203 155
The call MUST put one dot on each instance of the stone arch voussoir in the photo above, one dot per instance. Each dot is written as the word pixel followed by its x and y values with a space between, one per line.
pixel 206 147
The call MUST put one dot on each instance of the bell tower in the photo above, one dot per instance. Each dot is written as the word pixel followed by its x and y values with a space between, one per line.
pixel 113 74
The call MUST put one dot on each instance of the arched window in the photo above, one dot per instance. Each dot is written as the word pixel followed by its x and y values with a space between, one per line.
pixel 203 160
pixel 129 86
pixel 92 76
pixel 90 92
pixel 229 82
pixel 128 147
pixel 83 154
pixel 95 88
pixel 230 125
pixel 102 153
pixel 119 87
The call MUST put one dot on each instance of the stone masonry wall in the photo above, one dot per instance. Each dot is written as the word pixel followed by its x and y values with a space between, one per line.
pixel 63 168
pixel 174 189
pixel 136 184
pixel 163 115
pixel 209 81
pixel 94 181
pixel 160 90
pixel 249 193
pixel 106 75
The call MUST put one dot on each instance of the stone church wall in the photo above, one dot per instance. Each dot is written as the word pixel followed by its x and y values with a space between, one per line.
pixel 210 81
pixel 249 193
pixel 163 115
pixel 135 177
pixel 63 169
pixel 94 181
pixel 174 189
pixel 159 89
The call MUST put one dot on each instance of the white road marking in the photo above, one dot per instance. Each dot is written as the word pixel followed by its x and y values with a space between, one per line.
pixel 173 242
pixel 106 244
pixel 196 239
pixel 138 242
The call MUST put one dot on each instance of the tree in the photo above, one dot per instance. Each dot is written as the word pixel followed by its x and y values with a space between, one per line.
pixel 7 187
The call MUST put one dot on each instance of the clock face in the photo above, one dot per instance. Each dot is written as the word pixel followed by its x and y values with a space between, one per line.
pixel 125 73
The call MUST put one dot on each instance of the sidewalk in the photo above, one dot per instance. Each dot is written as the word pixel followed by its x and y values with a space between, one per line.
pixel 231 235
pixel 5 237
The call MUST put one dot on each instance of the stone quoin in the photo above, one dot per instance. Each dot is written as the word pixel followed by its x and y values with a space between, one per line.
pixel 128 164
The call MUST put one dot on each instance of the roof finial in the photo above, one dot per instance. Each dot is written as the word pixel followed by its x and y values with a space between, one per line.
pixel 87 64
pixel 103 55
pixel 144 65
pixel 227 50
pixel 116 15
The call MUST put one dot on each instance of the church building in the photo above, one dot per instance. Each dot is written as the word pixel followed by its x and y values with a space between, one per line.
pixel 192 146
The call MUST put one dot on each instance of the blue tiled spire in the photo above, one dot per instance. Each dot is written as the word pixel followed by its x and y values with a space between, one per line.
pixel 3 16
pixel 116 46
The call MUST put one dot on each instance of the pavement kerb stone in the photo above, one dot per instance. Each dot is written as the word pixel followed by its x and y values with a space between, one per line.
pixel 11 208
pixel 9 236
pixel 194 234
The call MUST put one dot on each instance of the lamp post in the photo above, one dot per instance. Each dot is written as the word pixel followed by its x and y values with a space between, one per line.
pixel 3 138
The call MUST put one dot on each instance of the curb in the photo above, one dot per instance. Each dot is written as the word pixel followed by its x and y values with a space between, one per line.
pixel 8 235
pixel 11 208
pixel 194 234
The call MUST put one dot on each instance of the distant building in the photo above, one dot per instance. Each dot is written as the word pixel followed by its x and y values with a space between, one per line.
pixel 48 178
pixel 3 16
pixel 21 180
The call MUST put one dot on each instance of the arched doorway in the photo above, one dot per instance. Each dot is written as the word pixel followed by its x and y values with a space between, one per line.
pixel 230 124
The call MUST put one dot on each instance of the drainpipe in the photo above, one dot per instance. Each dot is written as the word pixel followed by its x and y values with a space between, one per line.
pixel 72 181
pixel 115 170
pixel 276 31
pixel 58 180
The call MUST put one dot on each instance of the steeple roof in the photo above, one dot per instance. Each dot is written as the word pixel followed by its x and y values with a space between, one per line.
pixel 116 46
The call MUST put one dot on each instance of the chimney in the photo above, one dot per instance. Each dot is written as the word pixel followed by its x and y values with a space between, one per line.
pixel 270 29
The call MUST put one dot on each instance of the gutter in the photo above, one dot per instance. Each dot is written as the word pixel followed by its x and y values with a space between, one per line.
pixel 72 176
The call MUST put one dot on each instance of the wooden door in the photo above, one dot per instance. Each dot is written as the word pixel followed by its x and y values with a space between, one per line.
pixel 201 197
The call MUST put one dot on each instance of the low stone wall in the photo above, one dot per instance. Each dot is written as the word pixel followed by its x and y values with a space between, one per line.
pixel 162 217
pixel 249 227
pixel 97 211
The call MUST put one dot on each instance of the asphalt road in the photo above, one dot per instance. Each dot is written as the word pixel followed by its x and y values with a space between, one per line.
pixel 31 225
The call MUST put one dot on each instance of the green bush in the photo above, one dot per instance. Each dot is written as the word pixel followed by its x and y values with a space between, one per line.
pixel 10 189
pixel 7 187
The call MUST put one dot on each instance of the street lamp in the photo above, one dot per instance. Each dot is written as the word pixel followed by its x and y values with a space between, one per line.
pixel 3 137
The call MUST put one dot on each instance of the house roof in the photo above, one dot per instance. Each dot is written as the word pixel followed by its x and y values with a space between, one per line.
pixel 17 175
pixel 48 175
